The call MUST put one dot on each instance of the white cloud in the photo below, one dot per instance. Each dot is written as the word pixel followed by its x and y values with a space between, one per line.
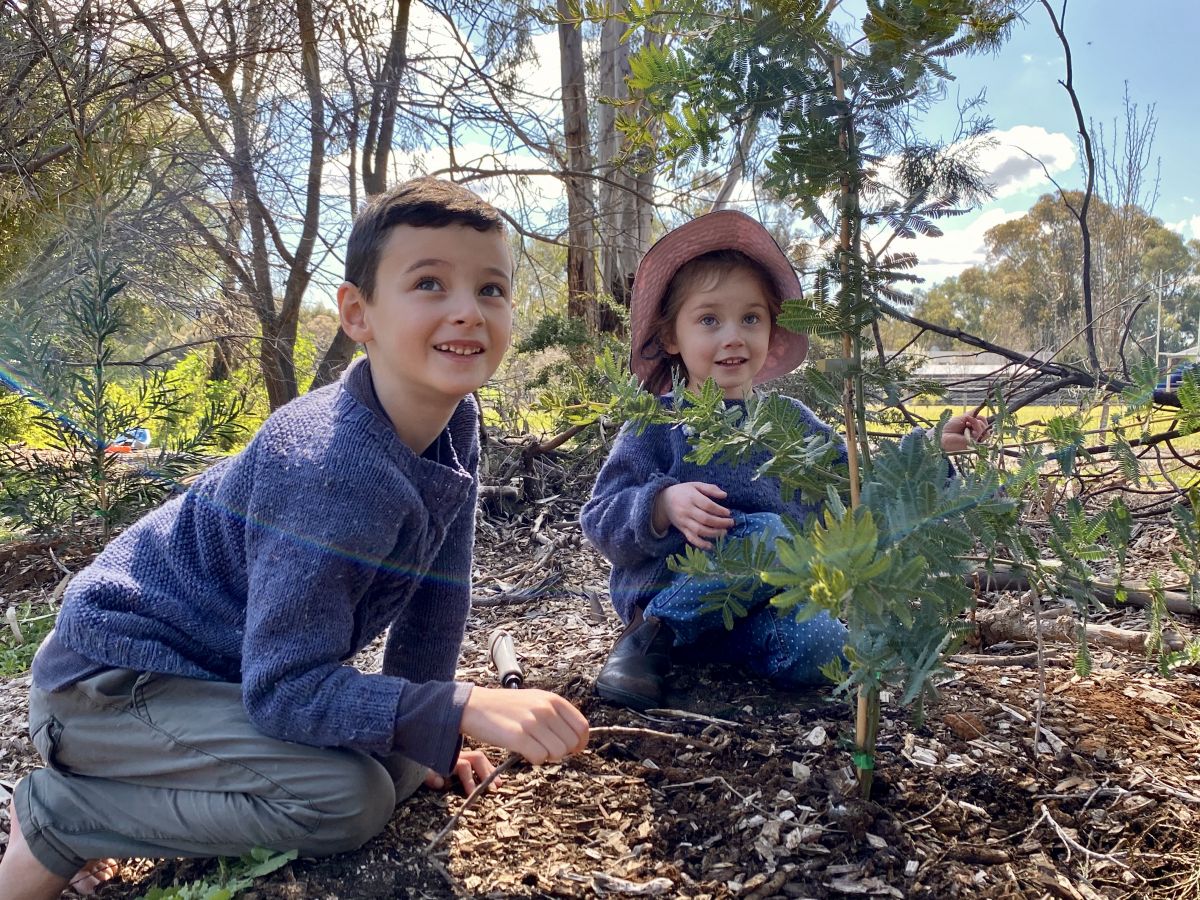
pixel 1187 228
pixel 960 247
pixel 1012 163
pixel 1187 199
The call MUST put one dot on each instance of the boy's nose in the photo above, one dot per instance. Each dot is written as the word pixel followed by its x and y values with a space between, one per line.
pixel 466 311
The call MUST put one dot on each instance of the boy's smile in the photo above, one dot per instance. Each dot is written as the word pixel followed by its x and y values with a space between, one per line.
pixel 439 323
pixel 723 333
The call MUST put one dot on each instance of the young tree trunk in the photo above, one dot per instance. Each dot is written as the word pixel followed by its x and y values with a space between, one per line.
pixel 377 145
pixel 581 266
pixel 1081 214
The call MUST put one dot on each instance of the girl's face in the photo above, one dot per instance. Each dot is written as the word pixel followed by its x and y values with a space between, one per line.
pixel 723 333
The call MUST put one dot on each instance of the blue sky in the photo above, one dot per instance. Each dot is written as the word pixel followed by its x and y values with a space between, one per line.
pixel 1149 44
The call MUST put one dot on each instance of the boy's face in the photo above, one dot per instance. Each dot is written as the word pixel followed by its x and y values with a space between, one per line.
pixel 723 333
pixel 441 317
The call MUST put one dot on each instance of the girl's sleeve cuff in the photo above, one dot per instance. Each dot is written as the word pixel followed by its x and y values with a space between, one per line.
pixel 651 543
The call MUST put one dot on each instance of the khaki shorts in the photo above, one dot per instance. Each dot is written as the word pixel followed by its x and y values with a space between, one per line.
pixel 145 765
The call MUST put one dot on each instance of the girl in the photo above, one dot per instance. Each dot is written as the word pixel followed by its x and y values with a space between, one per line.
pixel 705 302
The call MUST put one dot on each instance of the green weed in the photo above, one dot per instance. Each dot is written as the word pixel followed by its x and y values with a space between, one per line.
pixel 230 879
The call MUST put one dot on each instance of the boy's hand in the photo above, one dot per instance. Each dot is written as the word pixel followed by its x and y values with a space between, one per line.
pixel 472 767
pixel 541 726
pixel 692 508
pixel 963 431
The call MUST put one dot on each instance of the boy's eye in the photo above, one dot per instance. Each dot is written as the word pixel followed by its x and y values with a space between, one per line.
pixel 429 284
pixel 493 290
pixel 708 320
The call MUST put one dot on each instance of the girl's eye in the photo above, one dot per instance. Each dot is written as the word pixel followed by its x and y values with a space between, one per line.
pixel 429 284
pixel 493 290
pixel 708 320
pixel 752 319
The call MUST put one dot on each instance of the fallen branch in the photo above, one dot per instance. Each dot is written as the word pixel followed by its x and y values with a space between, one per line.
pixel 1024 660
pixel 513 759
pixel 1137 593
pixel 1007 622
pixel 616 730
pixel 1073 844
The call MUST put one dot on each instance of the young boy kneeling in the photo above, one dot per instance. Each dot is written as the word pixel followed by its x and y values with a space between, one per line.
pixel 195 698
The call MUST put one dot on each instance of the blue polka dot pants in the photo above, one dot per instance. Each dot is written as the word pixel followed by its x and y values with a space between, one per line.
pixel 769 643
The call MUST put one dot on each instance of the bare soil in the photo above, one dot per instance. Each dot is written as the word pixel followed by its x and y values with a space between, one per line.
pixel 737 790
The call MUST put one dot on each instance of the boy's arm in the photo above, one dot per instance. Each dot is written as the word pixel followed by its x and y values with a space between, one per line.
pixel 618 519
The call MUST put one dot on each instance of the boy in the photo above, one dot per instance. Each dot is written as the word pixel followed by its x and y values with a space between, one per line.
pixel 195 697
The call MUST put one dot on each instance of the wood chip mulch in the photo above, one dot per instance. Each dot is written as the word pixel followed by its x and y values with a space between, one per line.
pixel 741 791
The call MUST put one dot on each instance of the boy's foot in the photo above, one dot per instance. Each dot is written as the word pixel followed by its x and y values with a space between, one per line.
pixel 22 877
pixel 636 670
pixel 94 874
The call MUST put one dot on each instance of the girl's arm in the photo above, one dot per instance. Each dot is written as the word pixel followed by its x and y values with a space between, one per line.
pixel 618 519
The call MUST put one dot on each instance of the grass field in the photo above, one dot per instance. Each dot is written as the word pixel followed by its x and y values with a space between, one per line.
pixel 1036 417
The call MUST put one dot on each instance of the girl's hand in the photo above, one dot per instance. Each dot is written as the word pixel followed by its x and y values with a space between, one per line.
pixel 472 767
pixel 692 508
pixel 963 431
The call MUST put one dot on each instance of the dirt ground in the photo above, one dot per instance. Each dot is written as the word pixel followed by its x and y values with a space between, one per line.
pixel 739 791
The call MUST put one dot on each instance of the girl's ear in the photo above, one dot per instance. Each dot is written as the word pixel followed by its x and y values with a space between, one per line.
pixel 352 313
pixel 668 342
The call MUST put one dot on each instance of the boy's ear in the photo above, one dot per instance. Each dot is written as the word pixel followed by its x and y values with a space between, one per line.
pixel 352 312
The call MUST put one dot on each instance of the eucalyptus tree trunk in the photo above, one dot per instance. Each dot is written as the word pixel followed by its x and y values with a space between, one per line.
pixel 624 231
pixel 577 166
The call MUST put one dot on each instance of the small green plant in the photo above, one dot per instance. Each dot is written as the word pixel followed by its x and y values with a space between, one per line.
pixel 21 634
pixel 71 382
pixel 230 879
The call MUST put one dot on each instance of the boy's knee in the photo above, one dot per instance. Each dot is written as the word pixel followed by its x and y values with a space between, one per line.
pixel 359 800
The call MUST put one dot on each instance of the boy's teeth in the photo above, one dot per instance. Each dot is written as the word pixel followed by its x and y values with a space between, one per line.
pixel 461 351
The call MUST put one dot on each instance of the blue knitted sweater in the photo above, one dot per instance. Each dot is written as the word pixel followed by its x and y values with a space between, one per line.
pixel 281 563
pixel 617 517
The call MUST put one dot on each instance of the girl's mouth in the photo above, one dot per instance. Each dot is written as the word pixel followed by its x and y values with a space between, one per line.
pixel 732 362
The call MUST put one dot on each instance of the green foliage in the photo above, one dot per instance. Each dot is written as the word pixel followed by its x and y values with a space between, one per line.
pixel 14 417
pixel 34 622
pixel 1118 522
pixel 82 406
pixel 891 569
pixel 230 880
pixel 1186 518
pixel 1155 648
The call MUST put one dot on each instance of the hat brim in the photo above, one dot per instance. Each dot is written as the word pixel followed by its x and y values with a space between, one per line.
pixel 725 229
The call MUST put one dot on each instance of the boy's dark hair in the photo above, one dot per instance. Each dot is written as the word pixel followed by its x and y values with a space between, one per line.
pixel 421 203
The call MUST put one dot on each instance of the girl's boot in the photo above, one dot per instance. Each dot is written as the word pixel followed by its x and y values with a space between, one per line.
pixel 636 670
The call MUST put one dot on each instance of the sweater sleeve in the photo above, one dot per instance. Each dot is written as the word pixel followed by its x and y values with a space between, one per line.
pixel 618 517
pixel 307 569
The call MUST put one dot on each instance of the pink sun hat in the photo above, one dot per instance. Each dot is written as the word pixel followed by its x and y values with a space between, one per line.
pixel 725 229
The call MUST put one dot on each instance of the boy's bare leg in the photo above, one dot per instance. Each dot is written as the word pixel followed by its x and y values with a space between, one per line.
pixel 22 877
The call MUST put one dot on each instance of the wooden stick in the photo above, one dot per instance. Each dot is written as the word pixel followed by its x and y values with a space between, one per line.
pixel 513 759
pixel 612 730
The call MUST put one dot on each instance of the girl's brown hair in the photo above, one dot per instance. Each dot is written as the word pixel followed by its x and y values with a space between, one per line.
pixel 701 273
